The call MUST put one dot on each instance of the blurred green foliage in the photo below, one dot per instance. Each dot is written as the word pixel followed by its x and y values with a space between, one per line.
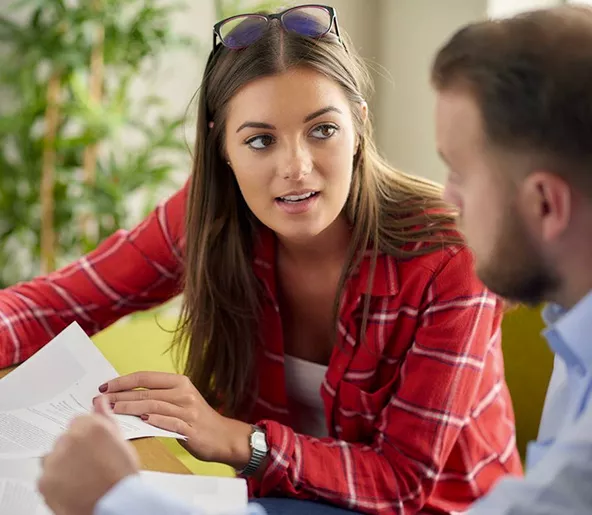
pixel 57 37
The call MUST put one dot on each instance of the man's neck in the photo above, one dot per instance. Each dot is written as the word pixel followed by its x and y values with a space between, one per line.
pixel 575 264
pixel 574 291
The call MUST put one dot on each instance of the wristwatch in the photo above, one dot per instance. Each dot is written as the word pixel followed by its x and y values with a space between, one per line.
pixel 259 450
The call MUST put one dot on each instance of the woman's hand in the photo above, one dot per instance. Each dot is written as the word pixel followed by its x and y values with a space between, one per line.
pixel 171 402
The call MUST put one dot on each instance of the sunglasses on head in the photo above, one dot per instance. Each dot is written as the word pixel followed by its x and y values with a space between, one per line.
pixel 243 30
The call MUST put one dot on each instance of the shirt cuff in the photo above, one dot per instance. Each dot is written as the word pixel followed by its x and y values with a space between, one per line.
pixel 133 496
pixel 281 441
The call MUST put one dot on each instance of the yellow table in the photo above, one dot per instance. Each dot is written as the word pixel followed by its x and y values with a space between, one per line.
pixel 153 454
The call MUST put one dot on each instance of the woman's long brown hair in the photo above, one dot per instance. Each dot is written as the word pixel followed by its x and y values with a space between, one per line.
pixel 389 212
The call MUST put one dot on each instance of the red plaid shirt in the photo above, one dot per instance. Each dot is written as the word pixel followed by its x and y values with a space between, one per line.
pixel 419 417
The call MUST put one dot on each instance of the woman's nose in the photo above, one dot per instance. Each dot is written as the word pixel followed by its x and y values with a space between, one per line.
pixel 297 164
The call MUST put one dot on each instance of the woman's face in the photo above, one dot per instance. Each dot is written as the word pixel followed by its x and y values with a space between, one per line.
pixel 290 141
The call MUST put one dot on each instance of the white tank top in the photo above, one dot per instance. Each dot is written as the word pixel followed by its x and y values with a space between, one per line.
pixel 303 386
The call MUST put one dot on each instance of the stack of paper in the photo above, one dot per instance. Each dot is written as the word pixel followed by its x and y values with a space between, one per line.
pixel 40 398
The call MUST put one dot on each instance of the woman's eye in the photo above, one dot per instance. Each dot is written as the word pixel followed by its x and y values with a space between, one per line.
pixel 260 142
pixel 324 131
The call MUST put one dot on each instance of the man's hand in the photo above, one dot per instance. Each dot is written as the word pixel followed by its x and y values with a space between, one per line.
pixel 86 462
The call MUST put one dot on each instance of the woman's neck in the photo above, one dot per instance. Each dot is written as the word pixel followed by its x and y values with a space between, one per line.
pixel 329 246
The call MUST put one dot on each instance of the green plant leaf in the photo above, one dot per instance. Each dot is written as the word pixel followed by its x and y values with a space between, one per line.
pixel 55 35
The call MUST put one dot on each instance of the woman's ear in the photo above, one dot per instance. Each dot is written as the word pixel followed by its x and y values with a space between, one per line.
pixel 226 157
pixel 364 111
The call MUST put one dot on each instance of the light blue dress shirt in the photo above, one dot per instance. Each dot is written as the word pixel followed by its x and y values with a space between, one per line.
pixel 559 463
pixel 132 496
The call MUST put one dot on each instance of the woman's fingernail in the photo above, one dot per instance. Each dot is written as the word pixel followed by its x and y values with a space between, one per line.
pixel 103 388
pixel 112 405
pixel 144 416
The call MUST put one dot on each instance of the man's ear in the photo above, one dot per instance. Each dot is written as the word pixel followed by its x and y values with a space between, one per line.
pixel 549 200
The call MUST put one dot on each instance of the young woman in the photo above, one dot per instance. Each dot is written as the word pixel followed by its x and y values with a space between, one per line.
pixel 340 347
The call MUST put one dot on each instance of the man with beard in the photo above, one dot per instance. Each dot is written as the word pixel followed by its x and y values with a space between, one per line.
pixel 514 126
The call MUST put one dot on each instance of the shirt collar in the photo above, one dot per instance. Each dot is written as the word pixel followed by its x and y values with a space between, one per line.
pixel 569 332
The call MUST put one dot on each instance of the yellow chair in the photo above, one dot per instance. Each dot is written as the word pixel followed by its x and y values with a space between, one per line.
pixel 141 343
pixel 528 364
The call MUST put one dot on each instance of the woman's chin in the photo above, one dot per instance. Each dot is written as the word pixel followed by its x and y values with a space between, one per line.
pixel 299 235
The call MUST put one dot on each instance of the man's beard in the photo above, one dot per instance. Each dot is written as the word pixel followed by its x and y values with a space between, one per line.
pixel 516 270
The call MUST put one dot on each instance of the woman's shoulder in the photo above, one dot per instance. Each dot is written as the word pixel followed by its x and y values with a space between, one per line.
pixel 420 230
pixel 447 270
pixel 423 241
pixel 438 258
pixel 171 212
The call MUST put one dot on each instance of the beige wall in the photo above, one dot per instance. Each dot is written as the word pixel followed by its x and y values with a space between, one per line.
pixel 410 32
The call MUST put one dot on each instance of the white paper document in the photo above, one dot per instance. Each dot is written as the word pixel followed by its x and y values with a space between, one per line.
pixel 40 398
pixel 18 488
pixel 211 495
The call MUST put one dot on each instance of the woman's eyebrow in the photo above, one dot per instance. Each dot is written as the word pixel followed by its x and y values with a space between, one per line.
pixel 255 125
pixel 321 112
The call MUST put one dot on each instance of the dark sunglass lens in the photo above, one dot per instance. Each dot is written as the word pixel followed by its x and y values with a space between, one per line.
pixel 242 31
pixel 308 21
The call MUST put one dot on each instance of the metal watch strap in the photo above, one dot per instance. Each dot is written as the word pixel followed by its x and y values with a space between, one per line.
pixel 257 457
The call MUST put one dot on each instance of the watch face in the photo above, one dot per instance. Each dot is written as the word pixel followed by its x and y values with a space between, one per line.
pixel 258 441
